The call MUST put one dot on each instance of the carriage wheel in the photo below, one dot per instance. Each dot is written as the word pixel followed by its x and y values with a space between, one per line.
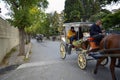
pixel 104 62
pixel 82 62
pixel 62 51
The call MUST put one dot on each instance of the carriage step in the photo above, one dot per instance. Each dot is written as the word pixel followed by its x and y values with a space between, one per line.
pixel 95 55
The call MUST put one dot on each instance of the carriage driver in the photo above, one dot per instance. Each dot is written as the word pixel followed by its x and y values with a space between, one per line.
pixel 96 32
pixel 71 35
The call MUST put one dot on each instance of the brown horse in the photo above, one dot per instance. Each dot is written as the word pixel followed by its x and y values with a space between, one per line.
pixel 110 45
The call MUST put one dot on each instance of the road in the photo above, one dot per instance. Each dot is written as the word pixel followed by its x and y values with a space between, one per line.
pixel 45 64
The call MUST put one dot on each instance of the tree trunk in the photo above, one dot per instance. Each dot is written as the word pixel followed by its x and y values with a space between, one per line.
pixel 21 42
pixel 27 37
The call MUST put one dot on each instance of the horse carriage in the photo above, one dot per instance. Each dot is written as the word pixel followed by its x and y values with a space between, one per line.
pixel 87 49
pixel 78 46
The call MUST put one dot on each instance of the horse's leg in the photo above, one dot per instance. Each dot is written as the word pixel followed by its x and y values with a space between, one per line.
pixel 112 68
pixel 98 63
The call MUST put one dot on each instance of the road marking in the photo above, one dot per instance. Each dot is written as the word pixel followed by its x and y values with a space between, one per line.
pixel 42 63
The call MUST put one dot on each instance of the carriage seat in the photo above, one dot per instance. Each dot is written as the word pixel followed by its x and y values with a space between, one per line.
pixel 75 43
pixel 92 43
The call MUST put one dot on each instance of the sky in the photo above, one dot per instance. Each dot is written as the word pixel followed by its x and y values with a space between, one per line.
pixel 4 10
pixel 54 5
pixel 113 6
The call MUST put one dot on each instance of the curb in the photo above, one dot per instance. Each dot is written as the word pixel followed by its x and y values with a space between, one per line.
pixel 22 59
pixel 8 68
pixel 19 60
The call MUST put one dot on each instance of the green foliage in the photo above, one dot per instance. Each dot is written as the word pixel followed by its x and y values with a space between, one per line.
pixel 20 11
pixel 62 19
pixel 99 15
pixel 112 21
pixel 104 2
pixel 75 15
pixel 46 24
pixel 73 6
pixel 90 8
pixel 81 9
pixel 55 23
pixel 22 18
pixel 86 8
pixel 43 3
pixel 42 25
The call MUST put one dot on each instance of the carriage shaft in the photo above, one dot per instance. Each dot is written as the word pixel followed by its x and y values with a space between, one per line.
pixel 110 50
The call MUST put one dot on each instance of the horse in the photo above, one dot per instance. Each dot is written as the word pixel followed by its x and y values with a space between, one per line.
pixel 110 44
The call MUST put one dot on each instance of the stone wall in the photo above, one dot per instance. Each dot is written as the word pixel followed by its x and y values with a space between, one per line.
pixel 9 38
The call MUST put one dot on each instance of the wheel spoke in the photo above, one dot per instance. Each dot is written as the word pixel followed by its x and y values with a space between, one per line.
pixel 62 51
pixel 81 61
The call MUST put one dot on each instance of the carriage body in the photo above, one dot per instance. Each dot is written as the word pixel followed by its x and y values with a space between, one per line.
pixel 65 46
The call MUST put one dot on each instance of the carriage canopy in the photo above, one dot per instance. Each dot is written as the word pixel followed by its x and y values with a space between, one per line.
pixel 84 26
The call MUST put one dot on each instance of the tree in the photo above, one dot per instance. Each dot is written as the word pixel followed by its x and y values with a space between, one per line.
pixel 21 17
pixel 112 21
pixel 55 22
pixel 75 15
pixel 104 2
pixel 84 8
pixel 38 18
pixel 100 15
pixel 73 9
pixel 81 10
pixel 62 19
pixel 90 8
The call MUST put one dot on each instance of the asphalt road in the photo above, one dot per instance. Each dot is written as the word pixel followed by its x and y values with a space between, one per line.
pixel 45 64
